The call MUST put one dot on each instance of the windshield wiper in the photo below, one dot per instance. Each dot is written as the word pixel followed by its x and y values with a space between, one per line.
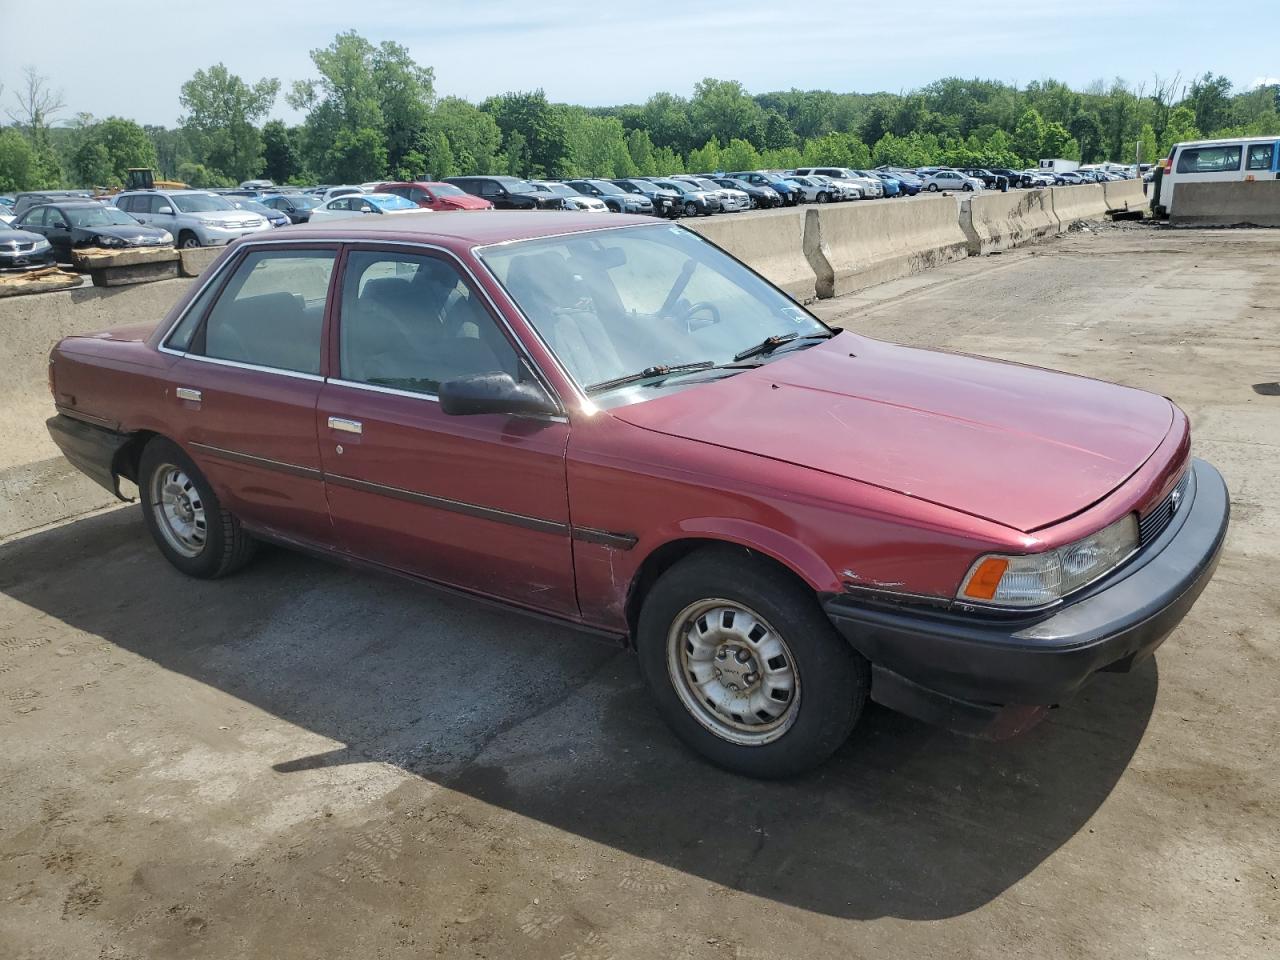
pixel 649 373
pixel 769 344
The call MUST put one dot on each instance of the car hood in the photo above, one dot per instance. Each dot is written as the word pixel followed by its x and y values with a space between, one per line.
pixel 1017 445
pixel 131 234
pixel 9 238
pixel 466 203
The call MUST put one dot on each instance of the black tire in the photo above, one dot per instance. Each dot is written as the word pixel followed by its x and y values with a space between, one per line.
pixel 226 546
pixel 823 197
pixel 188 240
pixel 690 209
pixel 967 188
pixel 933 188
pixel 833 679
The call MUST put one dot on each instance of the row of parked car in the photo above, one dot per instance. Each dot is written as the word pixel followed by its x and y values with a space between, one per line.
pixel 39 227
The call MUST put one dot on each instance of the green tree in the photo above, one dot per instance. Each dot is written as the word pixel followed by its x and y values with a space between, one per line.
pixel 1086 128
pixel 405 92
pixel 543 132
pixel 473 135
pixel 705 159
pixel 1058 142
pixel 172 149
pixel 1148 141
pixel 198 175
pixel 109 148
pixel 1028 136
pixel 281 159
pixel 666 118
pixel 439 160
pixel 641 149
pixel 723 110
pixel 1182 127
pixel 667 162
pixel 739 154
pixel 221 110
pixel 17 162
pixel 1210 99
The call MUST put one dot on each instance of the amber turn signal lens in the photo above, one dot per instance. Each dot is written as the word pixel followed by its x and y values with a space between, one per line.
pixel 982 585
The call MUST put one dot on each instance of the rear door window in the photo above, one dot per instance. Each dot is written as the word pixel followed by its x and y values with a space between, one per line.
pixel 1221 159
pixel 1260 155
pixel 271 312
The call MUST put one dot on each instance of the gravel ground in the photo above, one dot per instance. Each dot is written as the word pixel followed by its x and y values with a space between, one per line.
pixel 304 761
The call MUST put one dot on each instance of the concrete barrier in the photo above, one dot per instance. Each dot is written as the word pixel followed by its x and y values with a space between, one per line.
pixel 1085 202
pixel 36 485
pixel 197 260
pixel 1124 195
pixel 999 221
pixel 1233 203
pixel 856 245
pixel 770 242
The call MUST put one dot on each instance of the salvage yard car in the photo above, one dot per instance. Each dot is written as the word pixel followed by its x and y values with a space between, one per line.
pixel 612 423
pixel 23 250
pixel 76 224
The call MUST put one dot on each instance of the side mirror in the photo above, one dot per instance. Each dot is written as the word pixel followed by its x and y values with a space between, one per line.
pixel 166 210
pixel 492 393
pixel 60 225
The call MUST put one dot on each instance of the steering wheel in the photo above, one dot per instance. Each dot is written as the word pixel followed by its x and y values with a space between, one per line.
pixel 689 314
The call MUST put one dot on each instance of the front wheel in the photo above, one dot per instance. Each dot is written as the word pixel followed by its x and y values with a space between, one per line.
pixel 933 188
pixel 187 522
pixel 745 667
pixel 188 240
pixel 823 198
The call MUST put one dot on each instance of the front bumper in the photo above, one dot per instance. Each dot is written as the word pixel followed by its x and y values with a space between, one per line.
pixel 27 259
pixel 215 236
pixel 992 675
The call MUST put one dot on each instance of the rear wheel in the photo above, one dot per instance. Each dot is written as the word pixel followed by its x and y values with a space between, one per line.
pixel 745 667
pixel 187 522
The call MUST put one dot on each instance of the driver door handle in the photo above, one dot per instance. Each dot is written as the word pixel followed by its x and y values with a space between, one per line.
pixel 345 425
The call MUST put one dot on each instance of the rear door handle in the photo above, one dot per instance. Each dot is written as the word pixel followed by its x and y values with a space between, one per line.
pixel 345 425
pixel 187 393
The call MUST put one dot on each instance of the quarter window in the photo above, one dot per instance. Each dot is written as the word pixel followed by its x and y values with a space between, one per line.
pixel 411 322
pixel 271 312
pixel 1209 159
pixel 1260 156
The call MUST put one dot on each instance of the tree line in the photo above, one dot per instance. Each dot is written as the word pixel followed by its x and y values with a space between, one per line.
pixel 372 112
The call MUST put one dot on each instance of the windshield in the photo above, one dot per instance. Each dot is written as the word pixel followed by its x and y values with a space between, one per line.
pixel 559 189
pixel 99 217
pixel 612 302
pixel 707 184
pixel 675 185
pixel 519 186
pixel 447 190
pixel 199 202
pixel 254 207
pixel 389 201
pixel 604 186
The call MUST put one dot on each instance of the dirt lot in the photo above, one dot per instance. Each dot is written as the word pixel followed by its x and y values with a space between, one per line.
pixel 303 761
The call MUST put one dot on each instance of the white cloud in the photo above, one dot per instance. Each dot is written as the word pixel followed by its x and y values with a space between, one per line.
pixel 1264 82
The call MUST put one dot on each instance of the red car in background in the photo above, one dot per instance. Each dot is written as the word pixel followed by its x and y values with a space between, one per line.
pixel 621 427
pixel 435 196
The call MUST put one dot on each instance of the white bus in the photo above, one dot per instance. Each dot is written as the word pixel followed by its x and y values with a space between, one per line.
pixel 1206 161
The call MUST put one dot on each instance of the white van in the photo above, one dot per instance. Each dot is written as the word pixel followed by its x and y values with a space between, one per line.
pixel 1207 161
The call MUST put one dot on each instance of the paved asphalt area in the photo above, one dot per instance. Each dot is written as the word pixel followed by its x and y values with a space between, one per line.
pixel 305 761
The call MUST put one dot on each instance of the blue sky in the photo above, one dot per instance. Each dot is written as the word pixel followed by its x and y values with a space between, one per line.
pixel 605 52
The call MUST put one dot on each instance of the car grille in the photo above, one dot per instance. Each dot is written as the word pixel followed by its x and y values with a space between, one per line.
pixel 1158 517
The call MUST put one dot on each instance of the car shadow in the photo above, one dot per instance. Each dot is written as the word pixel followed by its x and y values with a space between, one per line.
pixel 905 821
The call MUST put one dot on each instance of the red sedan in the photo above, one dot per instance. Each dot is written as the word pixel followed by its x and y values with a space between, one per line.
pixel 435 196
pixel 623 428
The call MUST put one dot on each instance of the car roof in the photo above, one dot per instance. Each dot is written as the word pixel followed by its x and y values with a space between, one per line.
pixel 464 228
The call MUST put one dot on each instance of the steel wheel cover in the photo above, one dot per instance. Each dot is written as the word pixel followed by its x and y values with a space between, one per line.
pixel 178 508
pixel 733 672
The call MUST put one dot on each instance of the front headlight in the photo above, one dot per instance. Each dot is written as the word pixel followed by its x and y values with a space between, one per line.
pixel 40 246
pixel 166 237
pixel 1033 580
pixel 108 241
